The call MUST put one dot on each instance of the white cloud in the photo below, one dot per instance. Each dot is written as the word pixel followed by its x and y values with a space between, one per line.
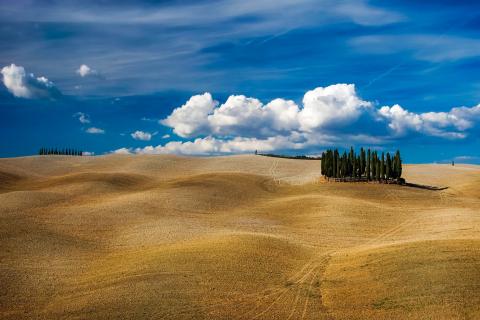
pixel 85 70
pixel 165 136
pixel 451 125
pixel 87 153
pixel 141 135
pixel 401 120
pixel 94 130
pixel 335 105
pixel 212 145
pixel 122 151
pixel 191 118
pixel 329 116
pixel 82 117
pixel 465 118
pixel 332 110
pixel 242 116
pixel 235 115
pixel 24 85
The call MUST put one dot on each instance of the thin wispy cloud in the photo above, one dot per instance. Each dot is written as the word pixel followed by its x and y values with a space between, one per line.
pixel 433 48
pixel 95 130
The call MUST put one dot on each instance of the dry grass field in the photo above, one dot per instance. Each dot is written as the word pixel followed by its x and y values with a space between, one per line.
pixel 239 237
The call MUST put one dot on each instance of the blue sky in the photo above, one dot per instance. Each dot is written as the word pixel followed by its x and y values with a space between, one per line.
pixel 219 77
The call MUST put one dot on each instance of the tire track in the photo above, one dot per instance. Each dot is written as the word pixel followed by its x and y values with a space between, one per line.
pixel 305 306
pixel 390 232
pixel 308 279
pixel 322 266
pixel 272 171
pixel 297 284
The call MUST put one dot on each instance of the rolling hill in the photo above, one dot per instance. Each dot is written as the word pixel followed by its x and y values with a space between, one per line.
pixel 237 237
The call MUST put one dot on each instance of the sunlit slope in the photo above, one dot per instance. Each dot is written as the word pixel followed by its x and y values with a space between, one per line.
pixel 241 237
pixel 414 280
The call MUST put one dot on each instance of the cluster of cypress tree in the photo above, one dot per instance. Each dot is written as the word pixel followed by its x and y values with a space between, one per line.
pixel 367 165
pixel 55 151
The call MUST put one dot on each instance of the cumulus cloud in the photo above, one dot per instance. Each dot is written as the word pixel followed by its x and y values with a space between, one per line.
pixel 94 130
pixel 88 153
pixel 240 115
pixel 85 71
pixel 82 117
pixel 335 105
pixel 328 116
pixel 141 135
pixel 212 145
pixel 122 151
pixel 452 124
pixel 26 85
pixel 191 118
pixel 244 116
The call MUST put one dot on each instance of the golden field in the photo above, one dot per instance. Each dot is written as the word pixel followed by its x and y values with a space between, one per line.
pixel 238 237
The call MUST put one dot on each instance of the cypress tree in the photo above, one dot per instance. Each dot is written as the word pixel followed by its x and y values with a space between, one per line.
pixel 374 165
pixel 382 167
pixel 327 163
pixel 334 164
pixel 354 167
pixel 367 166
pixel 351 161
pixel 388 168
pixel 337 163
pixel 395 166
pixel 399 165
pixel 363 163
pixel 377 171
pixel 359 166
pixel 322 164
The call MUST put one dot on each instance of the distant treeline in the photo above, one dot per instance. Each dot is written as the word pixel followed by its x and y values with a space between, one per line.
pixel 64 151
pixel 365 166
pixel 299 157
